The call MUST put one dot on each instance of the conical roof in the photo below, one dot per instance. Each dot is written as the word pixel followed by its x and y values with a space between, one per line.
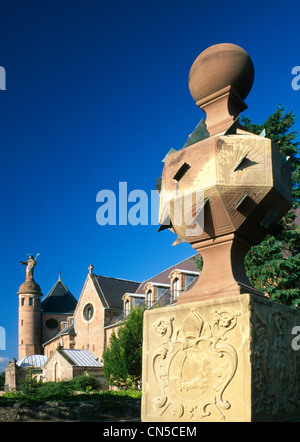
pixel 59 300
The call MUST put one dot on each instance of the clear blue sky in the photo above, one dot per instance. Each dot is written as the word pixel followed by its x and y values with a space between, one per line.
pixel 97 93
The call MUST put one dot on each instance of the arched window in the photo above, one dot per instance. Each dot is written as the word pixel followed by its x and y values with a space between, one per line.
pixel 149 298
pixel 127 309
pixel 175 289
pixel 56 372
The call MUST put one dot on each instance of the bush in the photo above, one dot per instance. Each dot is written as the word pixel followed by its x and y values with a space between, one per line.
pixel 12 396
pixel 61 391
pixel 54 391
pixel 2 380
pixel 85 383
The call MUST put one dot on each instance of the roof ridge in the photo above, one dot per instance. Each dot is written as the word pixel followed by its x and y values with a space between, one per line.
pixel 113 277
pixel 53 288
pixel 157 274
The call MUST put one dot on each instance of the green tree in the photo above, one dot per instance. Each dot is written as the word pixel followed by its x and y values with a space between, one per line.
pixel 30 385
pixel 123 358
pixel 2 380
pixel 198 260
pixel 273 266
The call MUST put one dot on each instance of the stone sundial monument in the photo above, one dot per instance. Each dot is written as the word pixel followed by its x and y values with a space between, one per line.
pixel 224 352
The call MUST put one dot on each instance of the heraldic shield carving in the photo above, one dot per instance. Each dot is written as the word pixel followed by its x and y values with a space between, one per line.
pixel 194 364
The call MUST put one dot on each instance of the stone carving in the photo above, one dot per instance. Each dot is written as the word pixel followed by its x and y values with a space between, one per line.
pixel 276 366
pixel 194 364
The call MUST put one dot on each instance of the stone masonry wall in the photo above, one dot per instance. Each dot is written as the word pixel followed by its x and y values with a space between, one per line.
pixel 69 411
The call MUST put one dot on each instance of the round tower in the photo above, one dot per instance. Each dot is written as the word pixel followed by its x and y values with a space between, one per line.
pixel 30 336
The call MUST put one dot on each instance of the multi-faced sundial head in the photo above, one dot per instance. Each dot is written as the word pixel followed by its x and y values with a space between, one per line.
pixel 244 180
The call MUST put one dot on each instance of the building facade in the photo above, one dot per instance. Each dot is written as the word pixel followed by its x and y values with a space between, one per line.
pixel 59 322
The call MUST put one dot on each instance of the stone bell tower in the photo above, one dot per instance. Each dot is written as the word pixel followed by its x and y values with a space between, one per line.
pixel 29 313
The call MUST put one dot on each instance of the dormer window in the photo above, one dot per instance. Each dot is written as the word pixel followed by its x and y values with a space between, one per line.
pixel 189 279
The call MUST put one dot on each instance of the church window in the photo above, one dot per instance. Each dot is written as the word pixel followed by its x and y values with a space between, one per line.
pixel 22 301
pixel 88 312
pixel 30 301
pixel 51 323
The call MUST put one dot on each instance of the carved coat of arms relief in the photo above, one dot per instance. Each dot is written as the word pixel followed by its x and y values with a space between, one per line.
pixel 194 364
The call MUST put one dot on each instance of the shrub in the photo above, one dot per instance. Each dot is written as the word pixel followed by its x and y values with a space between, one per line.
pixel 2 380
pixel 85 383
pixel 54 391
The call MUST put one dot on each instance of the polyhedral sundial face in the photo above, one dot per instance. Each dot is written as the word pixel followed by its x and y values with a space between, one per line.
pixel 243 179
pixel 226 189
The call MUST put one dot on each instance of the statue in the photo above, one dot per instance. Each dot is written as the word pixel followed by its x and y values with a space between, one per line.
pixel 30 263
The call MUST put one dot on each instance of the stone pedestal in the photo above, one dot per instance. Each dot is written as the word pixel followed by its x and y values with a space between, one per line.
pixel 226 359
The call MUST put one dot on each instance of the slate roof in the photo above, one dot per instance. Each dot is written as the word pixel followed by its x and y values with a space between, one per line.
pixel 111 290
pixel 59 300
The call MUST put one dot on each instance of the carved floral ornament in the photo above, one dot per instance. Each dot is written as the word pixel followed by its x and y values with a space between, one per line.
pixel 276 366
pixel 194 364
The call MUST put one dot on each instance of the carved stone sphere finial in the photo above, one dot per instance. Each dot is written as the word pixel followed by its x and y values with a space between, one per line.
pixel 220 79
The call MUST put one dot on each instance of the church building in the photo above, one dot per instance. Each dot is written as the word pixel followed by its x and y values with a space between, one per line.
pixel 61 329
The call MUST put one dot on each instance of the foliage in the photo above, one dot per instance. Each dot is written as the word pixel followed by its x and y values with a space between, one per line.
pixel 30 385
pixel 273 266
pixel 123 358
pixel 12 396
pixel 84 383
pixel 63 391
pixel 198 260
pixel 36 390
pixel 277 127
pixel 2 380
pixel 55 390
